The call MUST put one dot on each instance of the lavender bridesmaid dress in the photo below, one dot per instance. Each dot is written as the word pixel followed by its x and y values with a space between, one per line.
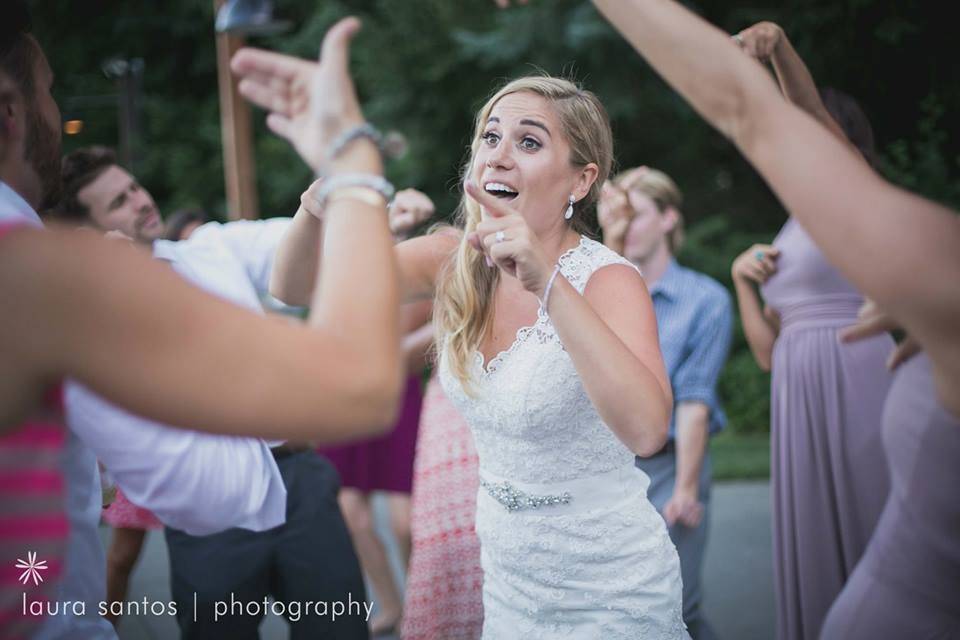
pixel 828 479
pixel 908 583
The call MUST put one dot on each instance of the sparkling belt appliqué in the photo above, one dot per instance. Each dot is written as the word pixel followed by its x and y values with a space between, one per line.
pixel 514 499
pixel 567 497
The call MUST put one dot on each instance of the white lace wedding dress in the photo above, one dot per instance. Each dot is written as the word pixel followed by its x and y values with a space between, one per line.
pixel 570 545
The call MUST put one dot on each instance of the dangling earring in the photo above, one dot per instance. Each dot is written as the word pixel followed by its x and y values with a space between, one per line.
pixel 569 212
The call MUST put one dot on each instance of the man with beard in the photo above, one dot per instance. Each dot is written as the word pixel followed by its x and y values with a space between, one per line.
pixel 32 518
pixel 234 261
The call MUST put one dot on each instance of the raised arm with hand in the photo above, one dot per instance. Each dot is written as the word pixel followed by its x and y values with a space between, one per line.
pixel 614 215
pixel 419 259
pixel 896 247
pixel 767 42
pixel 113 319
pixel 751 268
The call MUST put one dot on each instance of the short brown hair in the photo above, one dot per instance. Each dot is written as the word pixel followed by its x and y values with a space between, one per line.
pixel 664 192
pixel 80 168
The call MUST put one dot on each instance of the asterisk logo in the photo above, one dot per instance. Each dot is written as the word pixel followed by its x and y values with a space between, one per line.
pixel 32 568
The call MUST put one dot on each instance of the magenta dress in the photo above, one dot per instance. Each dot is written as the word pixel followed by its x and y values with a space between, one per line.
pixel 384 463
pixel 908 583
pixel 825 411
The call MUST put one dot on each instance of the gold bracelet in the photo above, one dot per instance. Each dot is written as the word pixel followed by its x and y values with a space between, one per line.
pixel 366 195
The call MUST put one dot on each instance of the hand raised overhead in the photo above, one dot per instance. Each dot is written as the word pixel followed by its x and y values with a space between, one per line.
pixel 310 103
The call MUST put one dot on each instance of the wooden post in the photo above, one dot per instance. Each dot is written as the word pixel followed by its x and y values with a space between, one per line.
pixel 240 171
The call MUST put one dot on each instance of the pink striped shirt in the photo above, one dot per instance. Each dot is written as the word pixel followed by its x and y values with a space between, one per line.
pixel 33 520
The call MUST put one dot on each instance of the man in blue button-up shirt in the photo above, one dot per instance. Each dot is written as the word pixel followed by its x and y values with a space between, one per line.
pixel 640 216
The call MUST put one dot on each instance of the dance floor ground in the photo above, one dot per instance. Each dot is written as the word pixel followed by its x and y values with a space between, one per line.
pixel 738 573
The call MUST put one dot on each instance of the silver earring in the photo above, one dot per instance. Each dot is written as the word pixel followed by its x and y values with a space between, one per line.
pixel 569 212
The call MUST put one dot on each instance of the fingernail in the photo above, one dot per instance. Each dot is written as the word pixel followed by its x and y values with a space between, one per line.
pixel 489 261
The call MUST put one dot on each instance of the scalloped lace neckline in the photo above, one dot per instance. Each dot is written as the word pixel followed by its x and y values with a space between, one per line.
pixel 487 369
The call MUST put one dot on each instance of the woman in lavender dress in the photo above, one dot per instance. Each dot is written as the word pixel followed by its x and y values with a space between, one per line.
pixel 900 250
pixel 826 397
pixel 908 583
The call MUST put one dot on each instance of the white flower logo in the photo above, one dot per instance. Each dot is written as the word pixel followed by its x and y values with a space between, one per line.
pixel 32 568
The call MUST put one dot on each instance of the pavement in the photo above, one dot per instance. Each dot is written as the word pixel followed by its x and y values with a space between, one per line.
pixel 738 578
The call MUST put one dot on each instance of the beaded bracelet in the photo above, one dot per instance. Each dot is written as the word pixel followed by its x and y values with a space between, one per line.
pixel 546 290
pixel 365 130
pixel 341 180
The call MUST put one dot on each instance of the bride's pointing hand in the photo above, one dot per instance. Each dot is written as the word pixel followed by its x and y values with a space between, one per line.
pixel 505 237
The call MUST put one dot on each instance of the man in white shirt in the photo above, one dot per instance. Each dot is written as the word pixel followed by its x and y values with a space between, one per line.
pixel 307 559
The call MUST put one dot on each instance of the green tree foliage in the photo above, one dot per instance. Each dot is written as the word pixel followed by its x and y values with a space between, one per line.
pixel 423 67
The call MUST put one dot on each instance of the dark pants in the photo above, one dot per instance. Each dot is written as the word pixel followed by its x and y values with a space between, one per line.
pixel 690 543
pixel 309 559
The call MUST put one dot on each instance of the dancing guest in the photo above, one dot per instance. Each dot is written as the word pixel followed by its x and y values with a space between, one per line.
pixel 444 592
pixel 444 589
pixel 130 525
pixel 548 346
pixel 906 582
pixel 232 260
pixel 385 465
pixel 98 310
pixel 641 218
pixel 826 397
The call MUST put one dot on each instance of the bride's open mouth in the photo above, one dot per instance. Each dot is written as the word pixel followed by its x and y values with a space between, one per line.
pixel 501 190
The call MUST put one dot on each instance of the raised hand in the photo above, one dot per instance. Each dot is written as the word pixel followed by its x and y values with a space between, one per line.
pixel 872 321
pixel 310 103
pixel 504 237
pixel 614 214
pixel 756 264
pixel 408 209
pixel 760 41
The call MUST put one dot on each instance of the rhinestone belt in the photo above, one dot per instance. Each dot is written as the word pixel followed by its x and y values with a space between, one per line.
pixel 515 500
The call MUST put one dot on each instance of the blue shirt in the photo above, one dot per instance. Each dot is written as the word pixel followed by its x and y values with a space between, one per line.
pixel 695 321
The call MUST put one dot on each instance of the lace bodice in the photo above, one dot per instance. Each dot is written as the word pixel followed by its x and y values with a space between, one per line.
pixel 531 418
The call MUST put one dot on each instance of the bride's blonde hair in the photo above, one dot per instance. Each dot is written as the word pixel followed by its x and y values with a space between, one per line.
pixel 463 305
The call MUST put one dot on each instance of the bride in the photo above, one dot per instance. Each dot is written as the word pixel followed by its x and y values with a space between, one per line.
pixel 548 346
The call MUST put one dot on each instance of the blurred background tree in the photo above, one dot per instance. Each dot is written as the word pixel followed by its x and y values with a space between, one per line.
pixel 423 67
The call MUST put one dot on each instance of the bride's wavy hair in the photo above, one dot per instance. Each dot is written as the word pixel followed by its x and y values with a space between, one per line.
pixel 463 305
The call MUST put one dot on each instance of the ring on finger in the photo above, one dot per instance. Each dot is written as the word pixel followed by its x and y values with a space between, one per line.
pixel 499 236
pixel 759 255
pixel 738 39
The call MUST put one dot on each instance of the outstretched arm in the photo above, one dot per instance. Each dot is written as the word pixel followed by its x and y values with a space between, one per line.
pixel 896 247
pixel 134 332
